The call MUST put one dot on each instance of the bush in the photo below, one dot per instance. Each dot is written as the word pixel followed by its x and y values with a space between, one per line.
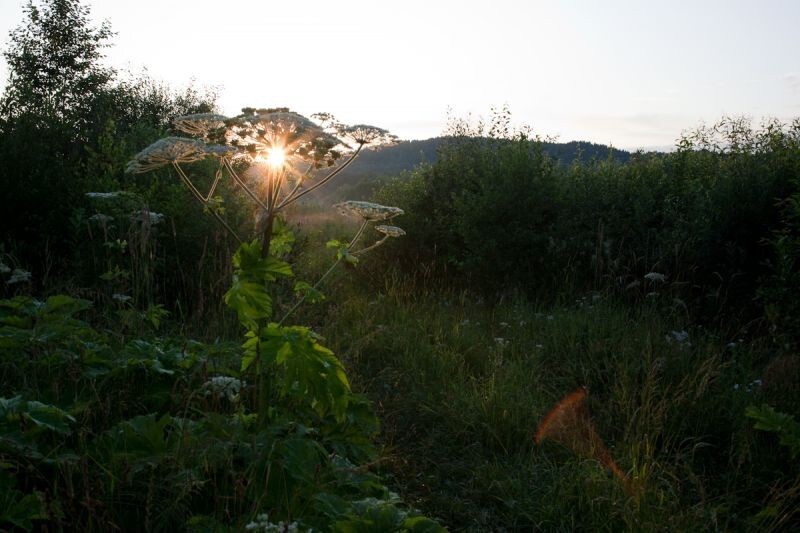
pixel 501 212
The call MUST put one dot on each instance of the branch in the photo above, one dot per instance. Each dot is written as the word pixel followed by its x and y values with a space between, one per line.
pixel 323 181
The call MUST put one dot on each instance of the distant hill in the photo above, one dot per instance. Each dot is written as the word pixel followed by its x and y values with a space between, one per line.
pixel 371 168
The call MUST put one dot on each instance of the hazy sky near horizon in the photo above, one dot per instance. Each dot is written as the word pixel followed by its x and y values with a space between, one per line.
pixel 630 73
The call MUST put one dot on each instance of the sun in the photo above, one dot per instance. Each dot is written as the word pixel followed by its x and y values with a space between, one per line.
pixel 276 157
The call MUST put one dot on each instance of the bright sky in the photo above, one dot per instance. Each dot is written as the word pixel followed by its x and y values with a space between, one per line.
pixel 631 73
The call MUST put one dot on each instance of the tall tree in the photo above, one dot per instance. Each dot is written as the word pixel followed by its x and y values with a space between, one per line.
pixel 48 114
pixel 54 59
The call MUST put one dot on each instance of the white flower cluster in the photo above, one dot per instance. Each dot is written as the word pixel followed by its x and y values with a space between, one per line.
pixel 104 195
pixel 121 298
pixel 199 124
pixel 297 135
pixel 363 134
pixel 501 342
pixel 679 337
pixel 262 523
pixel 368 210
pixel 749 387
pixel 655 276
pixel 19 276
pixel 101 218
pixel 223 387
pixel 167 151
pixel 391 231
pixel 149 217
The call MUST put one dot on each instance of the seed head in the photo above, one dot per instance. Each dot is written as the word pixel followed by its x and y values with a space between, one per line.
pixel 165 152
pixel 200 124
pixel 363 134
pixel 368 210
pixel 391 231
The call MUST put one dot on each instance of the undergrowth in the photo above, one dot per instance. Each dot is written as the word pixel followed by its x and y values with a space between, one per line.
pixel 461 386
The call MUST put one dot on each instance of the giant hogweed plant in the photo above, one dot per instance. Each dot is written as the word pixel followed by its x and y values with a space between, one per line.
pixel 276 157
pixel 162 433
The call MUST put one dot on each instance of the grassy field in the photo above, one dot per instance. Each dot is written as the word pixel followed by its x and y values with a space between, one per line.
pixel 460 386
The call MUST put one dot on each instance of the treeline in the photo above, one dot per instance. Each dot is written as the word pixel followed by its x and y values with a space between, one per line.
pixel 68 125
pixel 714 224
pixel 374 168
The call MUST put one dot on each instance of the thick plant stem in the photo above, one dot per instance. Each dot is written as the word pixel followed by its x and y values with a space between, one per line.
pixel 266 237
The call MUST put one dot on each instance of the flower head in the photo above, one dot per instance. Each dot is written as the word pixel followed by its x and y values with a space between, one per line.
pixel 104 195
pixel 147 217
pixel 200 124
pixel 295 135
pixel 655 276
pixel 19 276
pixel 165 152
pixel 368 210
pixel 101 218
pixel 363 134
pixel 223 387
pixel 391 231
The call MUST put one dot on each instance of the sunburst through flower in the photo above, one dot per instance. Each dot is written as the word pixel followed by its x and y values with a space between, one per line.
pixel 276 157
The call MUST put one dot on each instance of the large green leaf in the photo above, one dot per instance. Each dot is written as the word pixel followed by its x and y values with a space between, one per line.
pixel 250 300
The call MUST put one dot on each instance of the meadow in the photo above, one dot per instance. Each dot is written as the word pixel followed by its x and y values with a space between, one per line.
pixel 193 338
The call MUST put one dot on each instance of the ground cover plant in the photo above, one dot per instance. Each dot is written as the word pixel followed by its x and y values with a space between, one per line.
pixel 157 434
pixel 190 341
pixel 674 313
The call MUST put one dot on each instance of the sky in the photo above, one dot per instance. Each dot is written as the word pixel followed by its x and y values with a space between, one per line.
pixel 634 74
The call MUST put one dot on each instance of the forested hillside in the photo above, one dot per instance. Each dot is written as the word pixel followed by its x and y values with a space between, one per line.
pixel 370 170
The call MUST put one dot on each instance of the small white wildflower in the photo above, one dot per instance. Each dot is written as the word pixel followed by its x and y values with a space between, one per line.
pixel 368 210
pixel 501 342
pixel 121 298
pixel 503 324
pixel 735 386
pixel 731 345
pixel 521 323
pixel 262 523
pixel 223 386
pixel 550 317
pixel 391 231
pixel 539 346
pixel 655 276
pixel 19 276
pixel 679 336
pixel 465 322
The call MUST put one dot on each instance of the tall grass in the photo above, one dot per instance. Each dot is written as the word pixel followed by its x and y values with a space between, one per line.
pixel 461 386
